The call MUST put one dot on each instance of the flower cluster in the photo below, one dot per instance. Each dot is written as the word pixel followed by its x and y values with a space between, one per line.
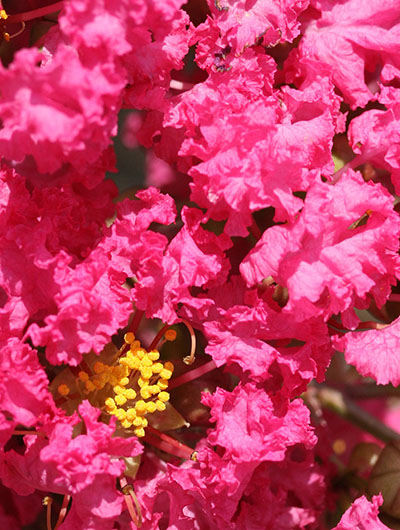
pixel 267 230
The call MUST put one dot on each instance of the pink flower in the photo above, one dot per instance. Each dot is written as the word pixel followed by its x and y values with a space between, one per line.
pixel 24 385
pixel 374 352
pixel 249 430
pixel 363 514
pixel 328 260
pixel 78 460
pixel 374 135
pixel 242 24
pixel 248 332
pixel 92 300
pixel 271 147
pixel 344 37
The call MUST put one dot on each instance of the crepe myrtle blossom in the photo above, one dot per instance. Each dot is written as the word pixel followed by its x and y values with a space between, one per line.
pixel 168 360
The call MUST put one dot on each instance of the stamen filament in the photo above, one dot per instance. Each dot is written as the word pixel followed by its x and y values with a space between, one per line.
pixel 190 358
pixel 180 85
pixel 157 338
pixel 192 374
pixel 63 511
pixel 129 496
pixel 358 160
pixel 371 325
pixel 8 37
pixel 47 501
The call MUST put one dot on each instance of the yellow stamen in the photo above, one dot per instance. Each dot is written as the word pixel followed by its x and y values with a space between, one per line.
pixel 130 388
pixel 64 390
pixel 170 334
pixel 98 367
pixel 163 396
pixel 129 337
pixel 139 432
pixel 160 405
pixel 120 399
pixel 153 355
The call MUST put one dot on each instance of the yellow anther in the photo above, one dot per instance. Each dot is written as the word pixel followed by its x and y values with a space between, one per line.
pixel 160 405
pixel 154 355
pixel 3 14
pixel 135 345
pixel 83 376
pixel 126 424
pixel 98 383
pixel 157 368
pixel 120 399
pixel 146 372
pixel 134 363
pixel 142 382
pixel 105 376
pixel 154 389
pixel 138 421
pixel 166 374
pixel 113 380
pixel 7 36
pixel 64 390
pixel 145 392
pixel 98 367
pixel 168 370
pixel 139 432
pixel 118 389
pixel 170 335
pixel 90 386
pixel 169 366
pixel 130 393
pixel 129 337
pixel 162 384
pixel 151 407
pixel 124 381
pixel 140 353
pixel 120 414
pixel 131 414
pixel 140 406
pixel 110 404
pixel 163 396
pixel 146 361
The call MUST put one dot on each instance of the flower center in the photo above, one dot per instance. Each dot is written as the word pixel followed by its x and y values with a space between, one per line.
pixel 131 385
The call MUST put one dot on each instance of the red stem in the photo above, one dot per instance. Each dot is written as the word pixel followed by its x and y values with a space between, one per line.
pixel 192 374
pixel 157 338
pixel 255 231
pixel 25 433
pixel 167 443
pixel 136 321
pixel 394 297
pixel 35 13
